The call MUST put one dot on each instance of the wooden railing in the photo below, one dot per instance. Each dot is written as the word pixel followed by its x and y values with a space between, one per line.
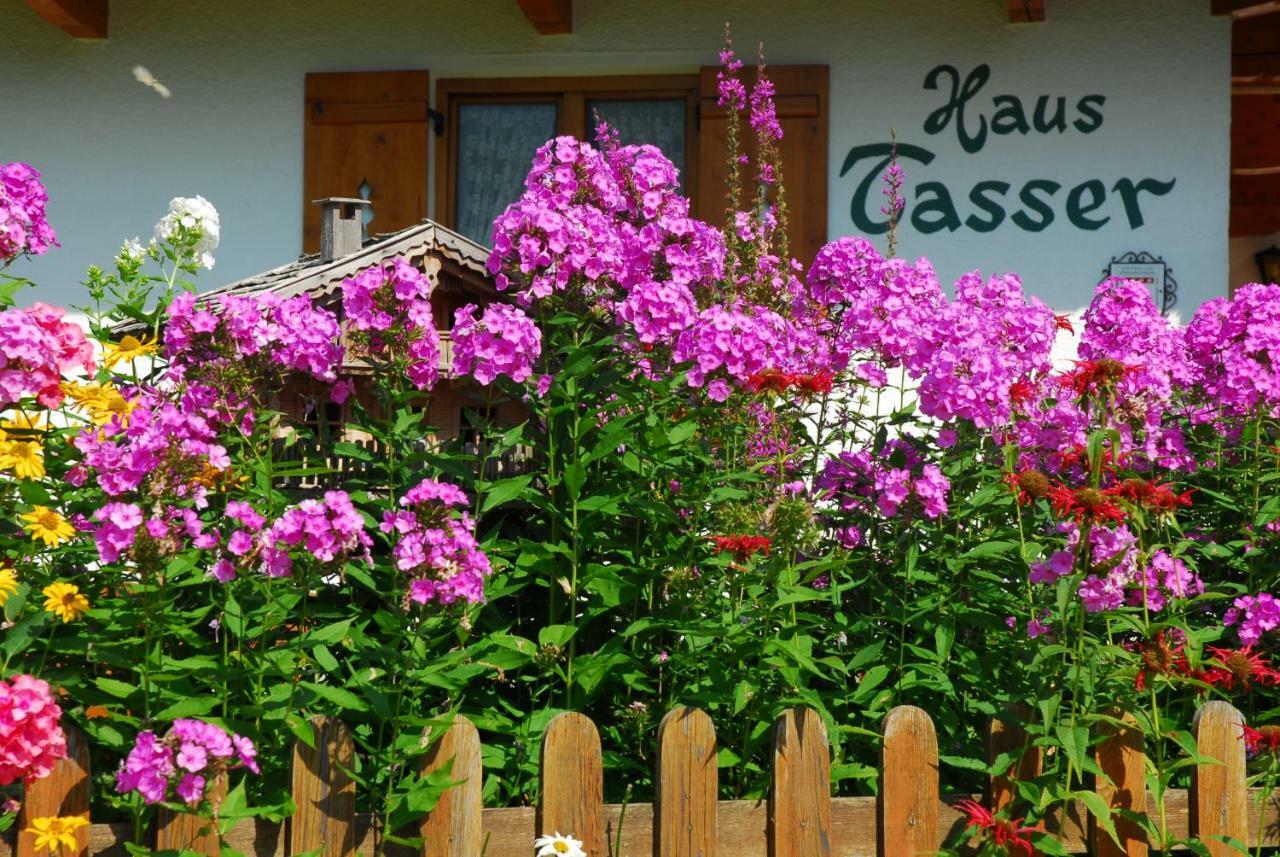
pixel 334 471
pixel 799 819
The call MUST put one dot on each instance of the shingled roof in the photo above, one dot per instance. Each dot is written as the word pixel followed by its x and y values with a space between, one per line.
pixel 464 263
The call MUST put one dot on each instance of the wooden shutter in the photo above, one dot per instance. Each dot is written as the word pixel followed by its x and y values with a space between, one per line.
pixel 803 107
pixel 366 127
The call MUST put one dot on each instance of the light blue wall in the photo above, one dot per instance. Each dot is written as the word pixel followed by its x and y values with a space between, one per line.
pixel 113 152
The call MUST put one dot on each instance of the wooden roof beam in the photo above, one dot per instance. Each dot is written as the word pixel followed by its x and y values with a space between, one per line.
pixel 1026 11
pixel 80 19
pixel 1244 8
pixel 549 17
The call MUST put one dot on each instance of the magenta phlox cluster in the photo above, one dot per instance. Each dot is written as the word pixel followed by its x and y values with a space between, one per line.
pixel 31 737
pixel 503 341
pixel 990 339
pixel 1253 616
pixel 883 309
pixel 388 308
pixel 183 763
pixel 330 529
pixel 24 228
pixel 162 450
pixel 730 344
pixel 37 347
pixel 895 478
pixel 1235 346
pixel 435 545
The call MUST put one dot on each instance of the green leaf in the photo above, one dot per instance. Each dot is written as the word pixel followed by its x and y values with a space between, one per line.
pixel 118 689
pixel 575 474
pixel 339 696
pixel 503 491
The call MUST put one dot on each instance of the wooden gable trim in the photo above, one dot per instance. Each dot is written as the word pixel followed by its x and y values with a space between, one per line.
pixel 80 19
pixel 549 17
pixel 1244 8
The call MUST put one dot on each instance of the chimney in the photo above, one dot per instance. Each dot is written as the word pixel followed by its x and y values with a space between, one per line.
pixel 341 226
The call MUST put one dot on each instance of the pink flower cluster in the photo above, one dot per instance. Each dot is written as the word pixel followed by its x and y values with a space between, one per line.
pixel 503 341
pixel 23 225
pixel 187 760
pixel 31 738
pixel 36 348
pixel 1235 342
pixel 267 332
pixel 726 344
pixel 1255 614
pixel 892 478
pixel 163 451
pixel 436 545
pixel 329 529
pixel 117 528
pixel 389 310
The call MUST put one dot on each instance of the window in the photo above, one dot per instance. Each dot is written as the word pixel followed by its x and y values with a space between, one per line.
pixel 493 127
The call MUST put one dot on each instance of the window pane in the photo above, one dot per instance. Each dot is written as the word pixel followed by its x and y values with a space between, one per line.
pixel 657 122
pixel 496 143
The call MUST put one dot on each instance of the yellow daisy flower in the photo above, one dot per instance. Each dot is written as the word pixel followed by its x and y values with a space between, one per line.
pixel 47 526
pixel 128 348
pixel 57 833
pixel 20 422
pixel 8 583
pixel 102 401
pixel 24 458
pixel 65 601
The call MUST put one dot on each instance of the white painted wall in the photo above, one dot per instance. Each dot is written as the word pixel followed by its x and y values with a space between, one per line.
pixel 113 152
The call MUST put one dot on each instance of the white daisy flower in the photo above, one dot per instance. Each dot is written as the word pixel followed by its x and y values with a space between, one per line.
pixel 558 846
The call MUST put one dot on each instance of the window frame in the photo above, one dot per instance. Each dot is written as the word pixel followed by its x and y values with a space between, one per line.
pixel 570 96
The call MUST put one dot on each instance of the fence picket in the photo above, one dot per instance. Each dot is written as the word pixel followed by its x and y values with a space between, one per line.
pixel 573 782
pixel 1122 758
pixel 685 803
pixel 1219 801
pixel 186 831
pixel 800 801
pixel 65 792
pixel 452 829
pixel 908 800
pixel 1006 735
pixel 324 793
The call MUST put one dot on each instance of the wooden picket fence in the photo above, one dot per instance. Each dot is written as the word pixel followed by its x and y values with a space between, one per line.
pixel 799 819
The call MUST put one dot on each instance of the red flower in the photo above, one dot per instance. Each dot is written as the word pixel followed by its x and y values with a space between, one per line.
pixel 1084 504
pixel 1265 739
pixel 1091 375
pixel 1063 322
pixel 1007 834
pixel 1028 484
pixel 1159 498
pixel 1159 657
pixel 741 546
pixel 777 381
pixel 1240 666
pixel 1021 392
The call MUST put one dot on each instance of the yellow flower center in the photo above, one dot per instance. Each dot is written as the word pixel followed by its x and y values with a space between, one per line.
pixel 49 519
pixel 562 847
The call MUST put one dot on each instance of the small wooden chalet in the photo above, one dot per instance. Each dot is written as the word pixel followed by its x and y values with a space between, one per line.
pixel 457 407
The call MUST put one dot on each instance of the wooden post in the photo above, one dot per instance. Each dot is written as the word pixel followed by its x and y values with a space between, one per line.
pixel 908 801
pixel 186 831
pixel 65 792
pixel 800 800
pixel 1121 757
pixel 1006 735
pixel 324 793
pixel 1219 803
pixel 687 785
pixel 573 782
pixel 452 829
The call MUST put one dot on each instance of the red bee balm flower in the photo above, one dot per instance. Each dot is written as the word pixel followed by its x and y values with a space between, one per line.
pixel 1010 835
pixel 741 546
pixel 776 381
pixel 1084 504
pixel 1265 739
pixel 1153 495
pixel 1242 667
pixel 1092 375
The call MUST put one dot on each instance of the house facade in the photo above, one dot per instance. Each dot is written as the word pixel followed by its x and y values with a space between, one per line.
pixel 1052 139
